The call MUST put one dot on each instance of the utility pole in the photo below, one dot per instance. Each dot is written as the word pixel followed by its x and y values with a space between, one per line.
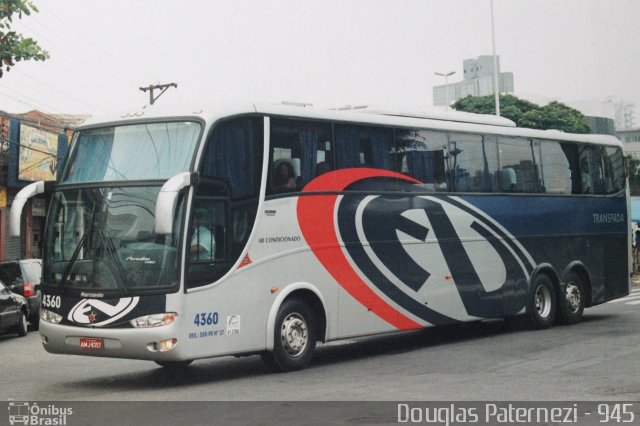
pixel 496 84
pixel 153 87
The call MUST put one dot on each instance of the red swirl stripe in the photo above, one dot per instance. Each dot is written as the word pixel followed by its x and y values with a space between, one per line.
pixel 316 219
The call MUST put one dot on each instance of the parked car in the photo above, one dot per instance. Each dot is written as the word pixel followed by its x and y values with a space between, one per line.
pixel 23 277
pixel 14 312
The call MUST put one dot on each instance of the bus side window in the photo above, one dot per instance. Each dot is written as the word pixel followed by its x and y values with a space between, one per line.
pixel 421 155
pixel 556 168
pixel 614 167
pixel 297 147
pixel 207 241
pixel 473 163
pixel 518 158
pixel 591 170
pixel 363 146
pixel 207 230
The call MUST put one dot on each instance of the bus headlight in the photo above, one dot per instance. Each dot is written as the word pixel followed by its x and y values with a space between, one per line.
pixel 155 320
pixel 48 316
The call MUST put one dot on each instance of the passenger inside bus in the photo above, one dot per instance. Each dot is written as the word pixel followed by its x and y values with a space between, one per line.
pixel 509 180
pixel 202 242
pixel 284 176
pixel 440 184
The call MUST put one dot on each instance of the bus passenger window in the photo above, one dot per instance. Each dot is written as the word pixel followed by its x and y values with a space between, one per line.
pixel 421 155
pixel 363 146
pixel 614 162
pixel 519 157
pixel 591 170
pixel 297 147
pixel 473 163
pixel 556 168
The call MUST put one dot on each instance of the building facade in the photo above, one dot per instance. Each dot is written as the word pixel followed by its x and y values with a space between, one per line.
pixel 477 81
pixel 31 147
pixel 601 125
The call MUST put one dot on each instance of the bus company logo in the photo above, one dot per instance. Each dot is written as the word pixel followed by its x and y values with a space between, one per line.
pixel 99 312
pixel 31 414
pixel 376 236
pixel 233 325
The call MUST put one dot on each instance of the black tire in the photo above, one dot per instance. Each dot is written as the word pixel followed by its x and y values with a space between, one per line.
pixel 571 302
pixel 541 305
pixel 22 324
pixel 295 336
pixel 174 364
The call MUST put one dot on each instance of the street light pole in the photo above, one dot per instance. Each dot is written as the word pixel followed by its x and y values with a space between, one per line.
pixel 446 84
pixel 496 88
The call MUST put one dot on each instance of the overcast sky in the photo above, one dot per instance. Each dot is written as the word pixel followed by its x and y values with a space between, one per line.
pixel 325 52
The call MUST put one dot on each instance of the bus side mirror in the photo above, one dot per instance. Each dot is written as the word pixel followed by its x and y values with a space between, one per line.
pixel 31 190
pixel 166 202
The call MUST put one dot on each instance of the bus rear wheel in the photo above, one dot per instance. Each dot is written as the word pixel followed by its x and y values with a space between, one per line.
pixel 571 302
pixel 541 307
pixel 295 335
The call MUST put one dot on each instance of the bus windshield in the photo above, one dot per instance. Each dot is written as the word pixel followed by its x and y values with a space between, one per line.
pixel 103 239
pixel 144 151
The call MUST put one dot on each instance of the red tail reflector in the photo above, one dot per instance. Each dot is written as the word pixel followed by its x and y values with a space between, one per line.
pixel 27 290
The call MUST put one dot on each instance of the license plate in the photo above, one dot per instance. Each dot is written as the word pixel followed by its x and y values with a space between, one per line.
pixel 91 343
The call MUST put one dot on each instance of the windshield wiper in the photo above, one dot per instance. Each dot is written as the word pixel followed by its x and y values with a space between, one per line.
pixel 115 266
pixel 76 251
pixel 72 260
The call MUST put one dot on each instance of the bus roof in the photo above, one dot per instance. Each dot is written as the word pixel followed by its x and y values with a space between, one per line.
pixel 452 121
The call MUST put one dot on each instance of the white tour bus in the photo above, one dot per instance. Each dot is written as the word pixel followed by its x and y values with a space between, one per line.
pixel 263 229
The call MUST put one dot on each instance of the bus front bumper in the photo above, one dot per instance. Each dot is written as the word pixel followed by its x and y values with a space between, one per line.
pixel 155 343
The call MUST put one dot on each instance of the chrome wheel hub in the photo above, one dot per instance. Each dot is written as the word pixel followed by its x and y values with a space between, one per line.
pixel 294 334
pixel 543 301
pixel 573 296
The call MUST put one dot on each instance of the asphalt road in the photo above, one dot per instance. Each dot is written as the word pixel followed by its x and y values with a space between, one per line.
pixel 597 359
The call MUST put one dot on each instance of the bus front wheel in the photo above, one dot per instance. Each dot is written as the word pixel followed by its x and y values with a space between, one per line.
pixel 541 309
pixel 571 302
pixel 295 336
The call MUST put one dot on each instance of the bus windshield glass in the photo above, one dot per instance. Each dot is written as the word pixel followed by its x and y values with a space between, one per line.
pixel 146 151
pixel 103 239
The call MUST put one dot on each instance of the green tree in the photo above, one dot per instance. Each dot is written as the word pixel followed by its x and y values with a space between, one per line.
pixel 555 115
pixel 13 46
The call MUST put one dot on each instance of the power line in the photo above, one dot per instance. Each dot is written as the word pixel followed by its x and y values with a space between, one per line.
pixel 28 147
pixel 96 46
pixel 37 164
pixel 58 91
pixel 73 56
pixel 86 52
pixel 18 100
pixel 33 100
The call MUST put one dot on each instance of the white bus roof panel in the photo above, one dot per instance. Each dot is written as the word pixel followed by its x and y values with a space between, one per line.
pixel 451 121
